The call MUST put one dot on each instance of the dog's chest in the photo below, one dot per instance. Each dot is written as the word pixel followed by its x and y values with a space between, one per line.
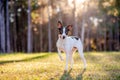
pixel 67 43
pixel 60 43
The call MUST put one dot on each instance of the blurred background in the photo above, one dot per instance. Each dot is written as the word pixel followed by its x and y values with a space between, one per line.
pixel 31 25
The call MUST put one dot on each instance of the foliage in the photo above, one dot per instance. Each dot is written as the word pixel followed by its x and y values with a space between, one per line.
pixel 110 7
pixel 46 66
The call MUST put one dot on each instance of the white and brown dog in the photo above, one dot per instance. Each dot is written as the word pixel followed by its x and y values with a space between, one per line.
pixel 68 44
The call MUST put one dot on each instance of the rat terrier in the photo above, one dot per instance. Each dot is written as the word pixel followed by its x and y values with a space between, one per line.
pixel 68 44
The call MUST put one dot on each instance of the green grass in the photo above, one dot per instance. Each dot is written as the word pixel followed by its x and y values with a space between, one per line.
pixel 47 66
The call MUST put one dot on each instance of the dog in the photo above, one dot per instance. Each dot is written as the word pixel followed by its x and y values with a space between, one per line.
pixel 68 44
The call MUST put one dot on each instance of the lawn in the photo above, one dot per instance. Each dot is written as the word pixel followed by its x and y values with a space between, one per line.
pixel 47 66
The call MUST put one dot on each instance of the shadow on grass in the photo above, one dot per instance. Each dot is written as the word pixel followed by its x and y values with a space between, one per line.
pixel 24 60
pixel 80 76
pixel 67 76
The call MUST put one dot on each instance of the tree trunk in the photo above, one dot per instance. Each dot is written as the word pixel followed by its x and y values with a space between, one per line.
pixel 83 31
pixel 75 19
pixel 41 31
pixel 7 27
pixel 29 48
pixel 49 29
pixel 2 26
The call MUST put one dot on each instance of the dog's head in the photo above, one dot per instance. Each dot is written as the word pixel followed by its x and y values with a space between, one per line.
pixel 64 30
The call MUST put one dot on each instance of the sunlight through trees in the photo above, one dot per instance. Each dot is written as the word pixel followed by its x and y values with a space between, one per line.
pixel 31 25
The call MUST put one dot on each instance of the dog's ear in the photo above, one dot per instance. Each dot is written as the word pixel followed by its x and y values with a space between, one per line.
pixel 59 24
pixel 69 27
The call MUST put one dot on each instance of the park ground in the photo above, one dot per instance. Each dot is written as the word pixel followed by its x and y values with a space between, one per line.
pixel 47 66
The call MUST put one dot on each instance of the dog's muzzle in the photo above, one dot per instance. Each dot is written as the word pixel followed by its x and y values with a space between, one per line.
pixel 63 37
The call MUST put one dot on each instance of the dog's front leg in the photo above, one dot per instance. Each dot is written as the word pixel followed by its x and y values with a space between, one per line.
pixel 59 53
pixel 71 60
pixel 67 59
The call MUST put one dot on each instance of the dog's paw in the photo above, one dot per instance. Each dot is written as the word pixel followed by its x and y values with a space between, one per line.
pixel 61 59
pixel 65 71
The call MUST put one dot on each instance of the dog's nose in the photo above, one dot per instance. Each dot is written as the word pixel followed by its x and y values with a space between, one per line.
pixel 63 37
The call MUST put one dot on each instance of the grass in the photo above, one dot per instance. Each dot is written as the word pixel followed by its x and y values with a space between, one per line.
pixel 47 66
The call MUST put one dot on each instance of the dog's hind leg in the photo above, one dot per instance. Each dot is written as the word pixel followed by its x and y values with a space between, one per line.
pixel 71 57
pixel 82 57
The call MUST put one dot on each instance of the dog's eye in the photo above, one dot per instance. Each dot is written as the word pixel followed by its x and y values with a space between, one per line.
pixel 60 31
pixel 66 31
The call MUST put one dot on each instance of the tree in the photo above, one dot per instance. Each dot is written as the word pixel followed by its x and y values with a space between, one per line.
pixel 2 26
pixel 29 46
pixel 111 9
pixel 7 28
pixel 49 29
pixel 75 19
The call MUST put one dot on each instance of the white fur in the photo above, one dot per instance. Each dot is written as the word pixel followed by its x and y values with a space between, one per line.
pixel 69 46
